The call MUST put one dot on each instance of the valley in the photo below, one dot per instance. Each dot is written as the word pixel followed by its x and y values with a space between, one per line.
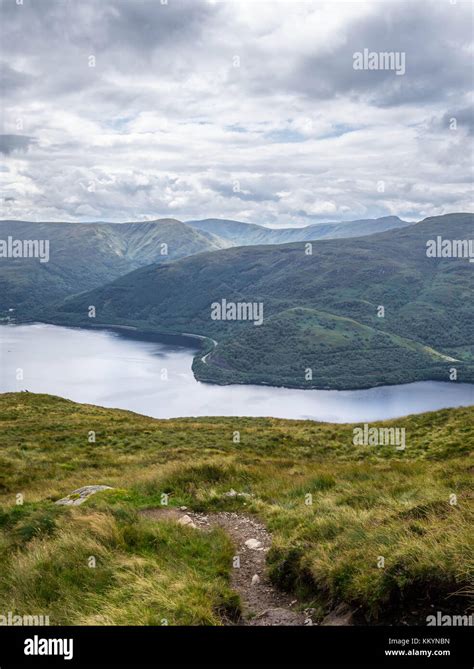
pixel 322 326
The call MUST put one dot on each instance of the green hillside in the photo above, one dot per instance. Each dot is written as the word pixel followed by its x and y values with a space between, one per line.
pixel 321 311
pixel 366 502
pixel 84 256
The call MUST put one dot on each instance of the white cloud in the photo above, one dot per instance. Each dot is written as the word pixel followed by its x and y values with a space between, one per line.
pixel 167 124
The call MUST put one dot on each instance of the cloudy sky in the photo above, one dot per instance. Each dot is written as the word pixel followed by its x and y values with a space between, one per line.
pixel 139 109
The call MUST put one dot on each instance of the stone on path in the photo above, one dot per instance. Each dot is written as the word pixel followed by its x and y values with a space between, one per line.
pixel 253 544
pixel 81 494
pixel 187 521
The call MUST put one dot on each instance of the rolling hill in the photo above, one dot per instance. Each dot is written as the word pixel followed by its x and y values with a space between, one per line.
pixel 84 256
pixel 322 323
pixel 237 233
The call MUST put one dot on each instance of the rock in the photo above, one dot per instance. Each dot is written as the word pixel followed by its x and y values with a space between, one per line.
pixel 341 615
pixel 253 544
pixel 255 579
pixel 234 493
pixel 187 521
pixel 183 508
pixel 81 494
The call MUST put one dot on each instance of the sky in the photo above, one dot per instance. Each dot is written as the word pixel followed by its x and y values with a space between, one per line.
pixel 128 110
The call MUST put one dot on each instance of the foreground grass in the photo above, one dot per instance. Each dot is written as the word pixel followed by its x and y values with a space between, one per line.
pixel 387 532
pixel 88 567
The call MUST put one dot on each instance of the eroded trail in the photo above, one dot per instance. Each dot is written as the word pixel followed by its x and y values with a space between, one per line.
pixel 262 603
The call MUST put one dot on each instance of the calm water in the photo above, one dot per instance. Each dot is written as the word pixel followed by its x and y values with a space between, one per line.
pixel 105 368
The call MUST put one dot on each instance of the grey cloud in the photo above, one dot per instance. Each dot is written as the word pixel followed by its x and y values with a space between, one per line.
pixel 10 143
pixel 124 36
pixel 430 34
pixel 250 191
pixel 12 80
pixel 94 27
pixel 148 25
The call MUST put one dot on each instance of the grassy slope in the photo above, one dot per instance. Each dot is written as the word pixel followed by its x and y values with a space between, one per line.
pixel 84 256
pixel 367 502
pixel 316 308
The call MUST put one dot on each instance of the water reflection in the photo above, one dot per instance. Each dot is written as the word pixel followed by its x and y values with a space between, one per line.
pixel 112 370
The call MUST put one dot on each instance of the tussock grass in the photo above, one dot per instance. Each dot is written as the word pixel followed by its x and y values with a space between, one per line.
pixel 144 573
pixel 334 509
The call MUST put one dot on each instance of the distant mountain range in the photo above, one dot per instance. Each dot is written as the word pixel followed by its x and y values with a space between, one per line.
pixel 249 234
pixel 353 313
pixel 84 256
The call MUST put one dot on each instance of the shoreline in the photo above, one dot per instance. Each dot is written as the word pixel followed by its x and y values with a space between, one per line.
pixel 200 356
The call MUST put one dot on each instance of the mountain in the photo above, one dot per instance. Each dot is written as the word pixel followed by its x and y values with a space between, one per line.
pixel 84 256
pixel 237 233
pixel 322 311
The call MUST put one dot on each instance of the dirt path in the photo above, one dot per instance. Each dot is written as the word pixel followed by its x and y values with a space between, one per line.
pixel 262 603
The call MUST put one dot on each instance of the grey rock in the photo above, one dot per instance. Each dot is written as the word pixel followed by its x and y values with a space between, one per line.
pixel 81 494
pixel 187 521
pixel 253 544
